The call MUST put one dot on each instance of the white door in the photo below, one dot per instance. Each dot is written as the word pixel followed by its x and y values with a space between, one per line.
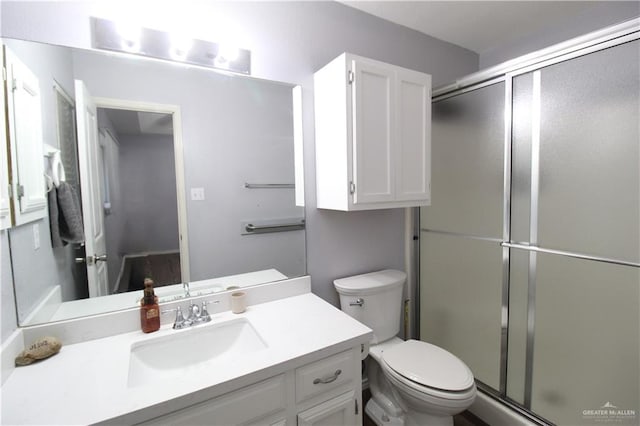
pixel 90 181
pixel 373 130
pixel 340 410
pixel 413 155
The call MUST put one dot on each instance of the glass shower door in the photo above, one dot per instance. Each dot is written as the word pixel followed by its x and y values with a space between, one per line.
pixel 461 259
pixel 530 251
pixel 576 196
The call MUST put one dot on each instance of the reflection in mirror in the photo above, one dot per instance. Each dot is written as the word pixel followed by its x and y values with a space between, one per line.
pixel 140 220
pixel 160 200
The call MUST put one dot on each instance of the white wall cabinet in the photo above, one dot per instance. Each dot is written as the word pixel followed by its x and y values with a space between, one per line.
pixel 5 206
pixel 324 392
pixel 25 141
pixel 373 135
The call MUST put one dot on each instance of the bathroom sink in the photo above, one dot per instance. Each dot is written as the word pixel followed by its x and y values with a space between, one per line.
pixel 191 350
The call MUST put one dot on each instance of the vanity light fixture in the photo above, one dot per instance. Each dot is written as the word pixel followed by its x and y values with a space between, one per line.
pixel 227 53
pixel 129 38
pixel 180 47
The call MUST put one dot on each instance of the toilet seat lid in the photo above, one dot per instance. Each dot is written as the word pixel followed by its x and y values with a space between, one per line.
pixel 429 366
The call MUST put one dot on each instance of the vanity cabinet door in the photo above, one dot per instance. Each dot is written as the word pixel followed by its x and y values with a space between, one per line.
pixel 341 410
pixel 263 403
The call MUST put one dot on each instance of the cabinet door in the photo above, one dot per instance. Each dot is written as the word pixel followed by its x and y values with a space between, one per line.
pixel 25 134
pixel 5 211
pixel 340 410
pixel 373 130
pixel 413 147
pixel 253 404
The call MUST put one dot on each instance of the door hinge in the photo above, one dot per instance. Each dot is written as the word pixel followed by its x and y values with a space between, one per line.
pixel 14 84
pixel 4 74
pixel 350 77
pixel 356 407
pixel 20 191
pixel 352 188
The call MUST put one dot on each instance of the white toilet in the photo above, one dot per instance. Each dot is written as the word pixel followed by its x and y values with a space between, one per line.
pixel 412 383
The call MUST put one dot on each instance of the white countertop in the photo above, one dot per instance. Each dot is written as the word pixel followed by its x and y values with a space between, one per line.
pixel 86 382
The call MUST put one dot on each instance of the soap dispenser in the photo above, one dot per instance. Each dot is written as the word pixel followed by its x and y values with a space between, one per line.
pixel 149 310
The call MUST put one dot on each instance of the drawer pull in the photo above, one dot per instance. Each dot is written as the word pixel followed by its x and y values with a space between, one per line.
pixel 333 378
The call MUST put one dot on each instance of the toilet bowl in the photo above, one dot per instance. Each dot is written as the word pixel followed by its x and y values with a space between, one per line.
pixel 412 383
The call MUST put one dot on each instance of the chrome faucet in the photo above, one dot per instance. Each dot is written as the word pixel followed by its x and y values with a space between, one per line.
pixel 185 287
pixel 196 315
pixel 180 321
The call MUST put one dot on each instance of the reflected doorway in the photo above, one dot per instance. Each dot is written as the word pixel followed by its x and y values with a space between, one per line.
pixel 138 179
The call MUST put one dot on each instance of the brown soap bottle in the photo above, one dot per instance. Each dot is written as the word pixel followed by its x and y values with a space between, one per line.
pixel 149 310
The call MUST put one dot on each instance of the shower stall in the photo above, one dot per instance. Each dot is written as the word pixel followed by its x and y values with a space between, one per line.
pixel 530 252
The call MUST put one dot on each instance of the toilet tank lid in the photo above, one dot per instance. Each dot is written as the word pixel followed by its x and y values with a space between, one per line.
pixel 371 282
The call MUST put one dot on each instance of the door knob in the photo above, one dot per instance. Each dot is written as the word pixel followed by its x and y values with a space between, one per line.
pixel 95 259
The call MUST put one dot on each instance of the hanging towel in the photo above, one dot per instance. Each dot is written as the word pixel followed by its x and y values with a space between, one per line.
pixel 54 226
pixel 70 219
pixel 65 216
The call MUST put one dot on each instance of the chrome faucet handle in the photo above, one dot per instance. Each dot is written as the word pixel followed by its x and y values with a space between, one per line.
pixel 204 314
pixel 180 321
pixel 194 313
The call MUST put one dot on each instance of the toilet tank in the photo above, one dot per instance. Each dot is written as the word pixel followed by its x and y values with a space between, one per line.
pixel 374 299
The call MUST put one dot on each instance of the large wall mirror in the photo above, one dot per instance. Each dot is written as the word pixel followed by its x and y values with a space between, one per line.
pixel 181 173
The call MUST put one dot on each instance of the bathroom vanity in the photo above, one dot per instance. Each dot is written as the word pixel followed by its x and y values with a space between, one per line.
pixel 291 358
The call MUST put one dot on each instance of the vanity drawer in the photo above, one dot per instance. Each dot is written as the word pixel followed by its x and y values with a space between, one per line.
pixel 325 375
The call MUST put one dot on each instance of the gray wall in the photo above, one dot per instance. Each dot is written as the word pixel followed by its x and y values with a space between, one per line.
pixel 234 130
pixel 289 41
pixel 595 17
pixel 45 267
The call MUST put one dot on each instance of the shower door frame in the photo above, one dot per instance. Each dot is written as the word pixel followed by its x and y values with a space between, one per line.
pixel 627 31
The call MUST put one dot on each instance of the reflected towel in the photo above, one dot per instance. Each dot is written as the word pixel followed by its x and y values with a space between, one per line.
pixel 65 216
pixel 70 221
pixel 56 241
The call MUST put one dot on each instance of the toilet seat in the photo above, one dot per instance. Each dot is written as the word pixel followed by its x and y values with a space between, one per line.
pixel 427 368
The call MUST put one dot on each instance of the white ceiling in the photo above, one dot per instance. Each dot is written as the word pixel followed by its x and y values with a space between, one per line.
pixel 476 25
pixel 127 122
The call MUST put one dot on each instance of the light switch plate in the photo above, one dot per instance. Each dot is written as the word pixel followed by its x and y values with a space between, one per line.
pixel 197 194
